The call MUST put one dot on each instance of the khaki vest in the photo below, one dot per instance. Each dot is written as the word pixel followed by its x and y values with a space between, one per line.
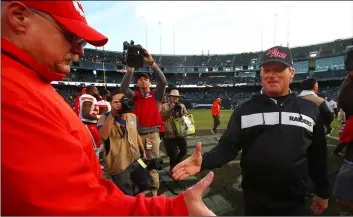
pixel 316 99
pixel 123 150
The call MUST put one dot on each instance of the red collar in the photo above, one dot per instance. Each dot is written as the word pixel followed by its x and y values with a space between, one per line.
pixel 11 50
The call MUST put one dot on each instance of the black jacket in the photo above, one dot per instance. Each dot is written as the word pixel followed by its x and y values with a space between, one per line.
pixel 282 146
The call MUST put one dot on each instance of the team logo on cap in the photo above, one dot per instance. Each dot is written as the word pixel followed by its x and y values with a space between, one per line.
pixel 78 7
pixel 276 53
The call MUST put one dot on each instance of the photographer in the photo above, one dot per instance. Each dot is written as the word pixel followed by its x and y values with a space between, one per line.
pixel 123 146
pixel 343 189
pixel 172 141
pixel 146 110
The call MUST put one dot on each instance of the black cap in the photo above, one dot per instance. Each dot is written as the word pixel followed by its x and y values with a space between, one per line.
pixel 277 54
pixel 142 75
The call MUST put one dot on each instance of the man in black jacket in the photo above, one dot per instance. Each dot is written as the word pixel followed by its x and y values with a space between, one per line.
pixel 283 143
pixel 310 88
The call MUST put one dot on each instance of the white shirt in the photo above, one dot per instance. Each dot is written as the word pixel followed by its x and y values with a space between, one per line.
pixel 94 107
pixel 307 92
pixel 331 105
pixel 103 103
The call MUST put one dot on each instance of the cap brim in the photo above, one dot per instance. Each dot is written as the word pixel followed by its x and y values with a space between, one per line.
pixel 176 95
pixel 276 61
pixel 82 30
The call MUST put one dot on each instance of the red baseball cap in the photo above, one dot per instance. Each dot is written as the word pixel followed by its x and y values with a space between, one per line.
pixel 70 15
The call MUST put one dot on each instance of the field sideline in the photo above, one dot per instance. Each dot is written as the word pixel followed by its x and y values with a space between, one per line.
pixel 203 120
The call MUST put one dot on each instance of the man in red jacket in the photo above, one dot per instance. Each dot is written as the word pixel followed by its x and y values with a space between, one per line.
pixel 48 164
pixel 216 114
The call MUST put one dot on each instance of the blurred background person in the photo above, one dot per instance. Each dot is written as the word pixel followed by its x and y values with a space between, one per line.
pixel 310 90
pixel 77 101
pixel 89 113
pixel 175 145
pixel 332 105
pixel 216 114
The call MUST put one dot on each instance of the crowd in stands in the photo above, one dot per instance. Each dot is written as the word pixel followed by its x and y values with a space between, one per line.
pixel 207 95
pixel 299 53
pixel 327 69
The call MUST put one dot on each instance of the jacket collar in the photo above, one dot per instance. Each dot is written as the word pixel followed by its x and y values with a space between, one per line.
pixel 11 50
pixel 307 92
pixel 265 98
pixel 291 94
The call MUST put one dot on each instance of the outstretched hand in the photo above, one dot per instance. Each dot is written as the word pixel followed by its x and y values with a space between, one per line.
pixel 193 197
pixel 190 166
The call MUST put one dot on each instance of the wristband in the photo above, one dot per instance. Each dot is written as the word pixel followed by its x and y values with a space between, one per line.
pixel 98 116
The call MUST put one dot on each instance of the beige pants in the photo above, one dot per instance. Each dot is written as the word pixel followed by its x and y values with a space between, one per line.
pixel 153 153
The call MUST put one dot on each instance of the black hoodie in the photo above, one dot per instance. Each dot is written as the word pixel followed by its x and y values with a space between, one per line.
pixel 282 146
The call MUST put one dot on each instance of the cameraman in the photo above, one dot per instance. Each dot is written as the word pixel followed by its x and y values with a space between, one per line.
pixel 171 141
pixel 343 189
pixel 146 110
pixel 123 146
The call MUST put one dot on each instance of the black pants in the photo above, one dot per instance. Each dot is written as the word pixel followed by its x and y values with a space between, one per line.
pixel 255 206
pixel 216 123
pixel 171 146
pixel 133 175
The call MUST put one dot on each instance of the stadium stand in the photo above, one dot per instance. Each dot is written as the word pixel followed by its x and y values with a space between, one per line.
pixel 202 78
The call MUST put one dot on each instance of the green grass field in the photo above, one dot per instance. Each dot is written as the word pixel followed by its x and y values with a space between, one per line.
pixel 203 120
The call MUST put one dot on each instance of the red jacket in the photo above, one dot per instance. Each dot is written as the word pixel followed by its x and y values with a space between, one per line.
pixel 216 107
pixel 146 110
pixel 48 164
pixel 347 133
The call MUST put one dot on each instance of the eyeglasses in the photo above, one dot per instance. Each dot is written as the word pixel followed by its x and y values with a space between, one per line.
pixel 68 35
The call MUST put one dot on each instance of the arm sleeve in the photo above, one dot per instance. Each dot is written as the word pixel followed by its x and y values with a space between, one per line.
pixel 159 92
pixel 317 159
pixel 47 171
pixel 101 121
pixel 228 146
pixel 124 85
pixel 326 114
pixel 165 112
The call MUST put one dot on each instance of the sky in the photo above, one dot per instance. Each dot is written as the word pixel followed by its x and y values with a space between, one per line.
pixel 217 27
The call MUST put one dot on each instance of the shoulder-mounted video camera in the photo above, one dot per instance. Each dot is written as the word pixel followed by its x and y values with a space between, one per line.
pixel 348 59
pixel 127 105
pixel 132 54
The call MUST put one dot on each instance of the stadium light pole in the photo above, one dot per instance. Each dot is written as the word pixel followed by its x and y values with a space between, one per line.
pixel 174 40
pixel 289 8
pixel 105 83
pixel 160 37
pixel 274 30
pixel 262 35
pixel 144 19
